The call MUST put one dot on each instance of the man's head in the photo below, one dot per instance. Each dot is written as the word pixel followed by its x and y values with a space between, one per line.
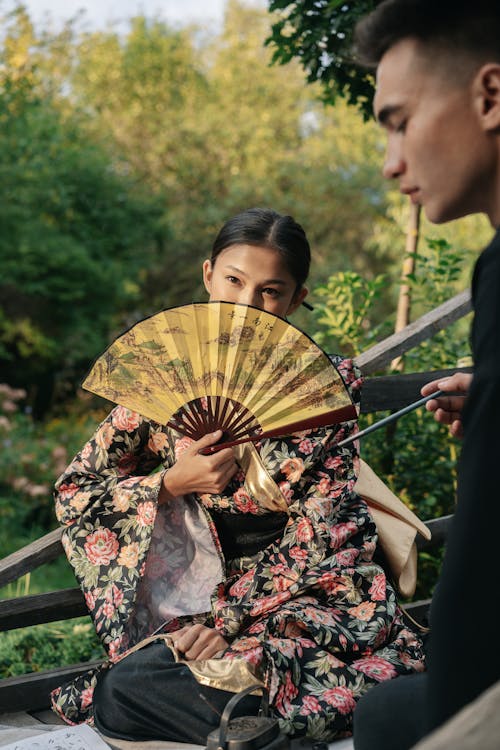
pixel 438 96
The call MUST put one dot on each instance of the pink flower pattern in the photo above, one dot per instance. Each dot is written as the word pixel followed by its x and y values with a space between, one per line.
pixel 101 547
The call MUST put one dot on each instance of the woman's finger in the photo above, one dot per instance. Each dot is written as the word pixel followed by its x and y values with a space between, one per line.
pixel 175 634
pixel 209 439
pixel 204 642
pixel 188 638
pixel 209 652
pixel 222 466
pixel 207 648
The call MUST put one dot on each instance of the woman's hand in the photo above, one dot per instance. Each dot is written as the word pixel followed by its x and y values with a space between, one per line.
pixel 195 472
pixel 448 409
pixel 198 642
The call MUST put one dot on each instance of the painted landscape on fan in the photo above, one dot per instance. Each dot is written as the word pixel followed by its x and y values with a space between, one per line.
pixel 221 365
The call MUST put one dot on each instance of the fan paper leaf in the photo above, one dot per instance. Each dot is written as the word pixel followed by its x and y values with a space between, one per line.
pixel 222 365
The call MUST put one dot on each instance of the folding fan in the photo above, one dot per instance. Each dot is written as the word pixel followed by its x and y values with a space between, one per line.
pixel 219 365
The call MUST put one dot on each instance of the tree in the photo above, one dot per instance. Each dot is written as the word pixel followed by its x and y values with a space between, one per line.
pixel 319 33
pixel 123 154
pixel 72 228
pixel 186 118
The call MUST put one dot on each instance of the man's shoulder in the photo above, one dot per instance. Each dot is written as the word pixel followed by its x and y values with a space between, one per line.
pixel 487 263
pixel 491 253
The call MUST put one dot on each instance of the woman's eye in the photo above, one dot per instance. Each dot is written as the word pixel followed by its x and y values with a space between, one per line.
pixel 271 292
pixel 232 279
pixel 401 127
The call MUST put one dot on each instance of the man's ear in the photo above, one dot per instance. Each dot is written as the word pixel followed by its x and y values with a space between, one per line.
pixel 486 88
pixel 297 300
pixel 207 275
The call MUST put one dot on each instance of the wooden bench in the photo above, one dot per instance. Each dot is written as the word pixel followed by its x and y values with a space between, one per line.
pixel 31 692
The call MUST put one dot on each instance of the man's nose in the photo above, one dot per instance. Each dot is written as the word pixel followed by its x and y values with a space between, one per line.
pixel 394 164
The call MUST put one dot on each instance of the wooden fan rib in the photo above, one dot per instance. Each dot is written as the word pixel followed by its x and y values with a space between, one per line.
pixel 197 414
pixel 211 420
pixel 181 428
pixel 222 413
pixel 344 414
pixel 213 413
pixel 238 428
pixel 188 422
pixel 232 417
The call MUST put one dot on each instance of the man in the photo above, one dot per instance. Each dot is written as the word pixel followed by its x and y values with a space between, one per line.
pixel 438 98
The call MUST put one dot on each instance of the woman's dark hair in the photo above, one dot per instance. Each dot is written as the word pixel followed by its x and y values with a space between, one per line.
pixel 267 228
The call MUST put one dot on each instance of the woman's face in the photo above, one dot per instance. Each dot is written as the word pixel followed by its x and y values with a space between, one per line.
pixel 253 275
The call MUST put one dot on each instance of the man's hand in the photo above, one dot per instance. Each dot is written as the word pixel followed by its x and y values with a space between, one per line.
pixel 198 642
pixel 195 472
pixel 448 409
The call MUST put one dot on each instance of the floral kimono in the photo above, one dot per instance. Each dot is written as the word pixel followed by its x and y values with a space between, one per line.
pixel 311 615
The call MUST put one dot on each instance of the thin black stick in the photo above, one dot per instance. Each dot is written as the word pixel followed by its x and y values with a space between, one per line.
pixel 392 417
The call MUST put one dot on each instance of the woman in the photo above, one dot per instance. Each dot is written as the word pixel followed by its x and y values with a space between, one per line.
pixel 253 565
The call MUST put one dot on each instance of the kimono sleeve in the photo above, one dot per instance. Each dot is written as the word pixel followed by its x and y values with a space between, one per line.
pixel 115 467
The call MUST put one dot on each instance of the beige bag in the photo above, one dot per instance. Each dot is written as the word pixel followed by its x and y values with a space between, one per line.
pixel 397 527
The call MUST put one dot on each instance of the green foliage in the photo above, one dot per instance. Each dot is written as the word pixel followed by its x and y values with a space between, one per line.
pixel 43 647
pixel 72 228
pixel 181 113
pixel 344 314
pixel 123 153
pixel 319 33
pixel 32 456
pixel 69 241
pixel 416 457
pixel 433 283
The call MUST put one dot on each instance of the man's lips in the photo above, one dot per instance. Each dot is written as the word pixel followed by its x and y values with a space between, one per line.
pixel 413 194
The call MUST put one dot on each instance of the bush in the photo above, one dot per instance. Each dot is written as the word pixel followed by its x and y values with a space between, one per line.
pixel 32 456
pixel 43 647
pixel 415 456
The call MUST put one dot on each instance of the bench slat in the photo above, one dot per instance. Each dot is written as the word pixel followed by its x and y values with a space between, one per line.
pixel 419 610
pixel 24 560
pixel 392 392
pixel 32 691
pixel 40 608
pixel 439 528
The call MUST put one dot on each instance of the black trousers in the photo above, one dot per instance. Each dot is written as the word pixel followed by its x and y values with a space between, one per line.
pixel 148 696
pixel 392 715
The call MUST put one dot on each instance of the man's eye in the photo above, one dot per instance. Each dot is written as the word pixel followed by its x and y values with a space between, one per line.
pixel 401 127
pixel 271 292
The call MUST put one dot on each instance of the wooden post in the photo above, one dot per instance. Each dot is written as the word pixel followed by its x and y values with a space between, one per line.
pixel 404 300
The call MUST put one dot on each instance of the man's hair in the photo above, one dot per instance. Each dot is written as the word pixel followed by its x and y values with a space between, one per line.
pixel 462 27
